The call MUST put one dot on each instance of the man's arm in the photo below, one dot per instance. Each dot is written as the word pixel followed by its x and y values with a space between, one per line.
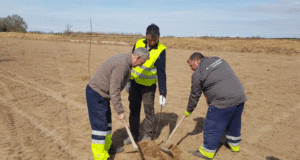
pixel 161 73
pixel 117 77
pixel 196 92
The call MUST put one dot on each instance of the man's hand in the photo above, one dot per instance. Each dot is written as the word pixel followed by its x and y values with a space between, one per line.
pixel 162 101
pixel 186 113
pixel 121 116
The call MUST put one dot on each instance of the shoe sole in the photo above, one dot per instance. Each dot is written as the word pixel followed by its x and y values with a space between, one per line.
pixel 198 154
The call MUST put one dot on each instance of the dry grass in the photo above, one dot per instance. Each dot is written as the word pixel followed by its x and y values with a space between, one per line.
pixel 273 46
pixel 204 44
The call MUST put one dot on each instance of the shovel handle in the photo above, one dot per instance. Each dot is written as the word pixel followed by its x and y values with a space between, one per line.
pixel 174 129
pixel 135 147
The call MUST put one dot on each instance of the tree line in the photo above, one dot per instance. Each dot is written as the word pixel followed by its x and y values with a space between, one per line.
pixel 14 23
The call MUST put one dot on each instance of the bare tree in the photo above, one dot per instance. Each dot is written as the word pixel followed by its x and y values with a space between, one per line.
pixel 90 47
pixel 68 28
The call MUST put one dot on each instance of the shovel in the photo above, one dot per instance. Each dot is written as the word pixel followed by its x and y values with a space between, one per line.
pixel 163 147
pixel 135 146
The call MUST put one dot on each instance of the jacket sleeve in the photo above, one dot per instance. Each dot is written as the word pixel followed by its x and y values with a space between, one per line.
pixel 161 73
pixel 196 92
pixel 117 76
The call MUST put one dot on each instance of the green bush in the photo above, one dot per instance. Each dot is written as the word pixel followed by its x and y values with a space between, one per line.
pixel 13 23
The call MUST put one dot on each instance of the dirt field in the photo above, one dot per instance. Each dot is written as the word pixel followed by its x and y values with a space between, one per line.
pixel 43 112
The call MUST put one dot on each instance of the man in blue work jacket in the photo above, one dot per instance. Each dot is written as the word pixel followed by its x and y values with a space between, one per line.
pixel 225 96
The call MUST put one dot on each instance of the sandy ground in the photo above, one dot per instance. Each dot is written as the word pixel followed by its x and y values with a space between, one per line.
pixel 43 113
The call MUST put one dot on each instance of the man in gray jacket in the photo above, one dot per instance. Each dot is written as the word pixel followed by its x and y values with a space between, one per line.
pixel 105 86
pixel 225 96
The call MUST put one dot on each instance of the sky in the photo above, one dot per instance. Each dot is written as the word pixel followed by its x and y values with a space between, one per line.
pixel 179 18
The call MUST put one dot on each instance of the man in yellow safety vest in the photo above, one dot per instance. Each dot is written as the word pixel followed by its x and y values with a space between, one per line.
pixel 142 85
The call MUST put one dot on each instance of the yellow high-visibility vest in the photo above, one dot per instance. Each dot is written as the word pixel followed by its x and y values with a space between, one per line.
pixel 147 74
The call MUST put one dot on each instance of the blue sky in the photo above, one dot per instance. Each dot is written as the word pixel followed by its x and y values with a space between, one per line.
pixel 181 18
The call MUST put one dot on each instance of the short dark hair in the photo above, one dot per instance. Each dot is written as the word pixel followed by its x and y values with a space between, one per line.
pixel 196 55
pixel 152 30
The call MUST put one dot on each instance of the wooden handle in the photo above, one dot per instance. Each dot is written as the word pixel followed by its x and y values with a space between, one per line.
pixel 175 129
pixel 135 147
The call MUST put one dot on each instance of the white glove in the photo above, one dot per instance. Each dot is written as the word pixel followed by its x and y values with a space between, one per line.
pixel 162 101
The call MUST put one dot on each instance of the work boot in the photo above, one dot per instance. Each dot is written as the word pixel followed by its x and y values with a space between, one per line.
pixel 198 154
pixel 114 150
pixel 234 149
pixel 128 141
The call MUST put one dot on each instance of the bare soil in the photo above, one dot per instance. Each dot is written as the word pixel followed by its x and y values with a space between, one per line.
pixel 43 112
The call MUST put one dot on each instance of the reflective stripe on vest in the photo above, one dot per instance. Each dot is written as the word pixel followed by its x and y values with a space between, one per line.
pixel 142 75
pixel 147 74
pixel 148 69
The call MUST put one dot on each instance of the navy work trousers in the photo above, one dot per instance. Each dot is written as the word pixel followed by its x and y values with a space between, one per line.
pixel 99 113
pixel 219 120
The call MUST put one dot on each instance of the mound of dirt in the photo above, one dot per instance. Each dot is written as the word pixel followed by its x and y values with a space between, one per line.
pixel 151 150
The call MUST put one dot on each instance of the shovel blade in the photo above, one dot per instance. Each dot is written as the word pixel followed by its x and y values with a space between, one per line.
pixel 135 151
pixel 166 151
pixel 160 143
